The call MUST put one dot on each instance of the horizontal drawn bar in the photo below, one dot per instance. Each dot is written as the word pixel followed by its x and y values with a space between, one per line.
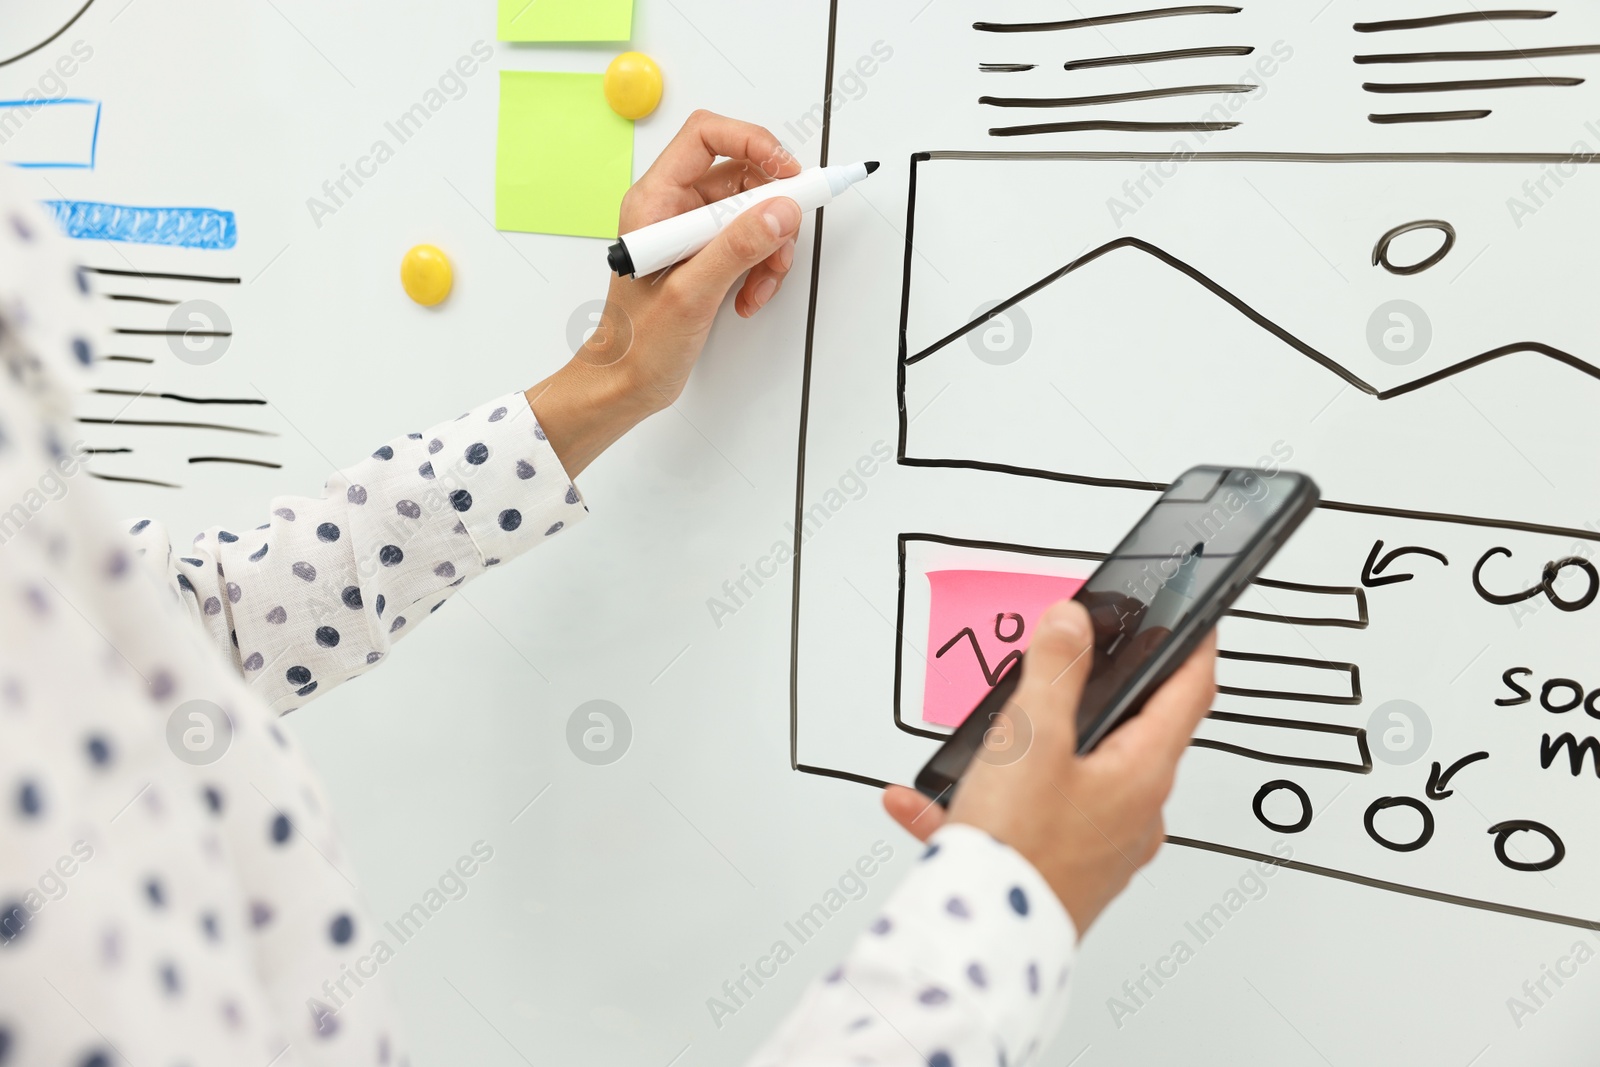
pixel 134 481
pixel 1287 742
pixel 1159 57
pixel 1470 57
pixel 1312 681
pixel 1112 98
pixel 177 425
pixel 1005 68
pixel 129 297
pixel 1295 604
pixel 250 400
pixel 172 333
pixel 1106 20
pixel 1428 116
pixel 1095 125
pixel 180 227
pixel 241 462
pixel 1472 83
pixel 155 276
pixel 50 134
pixel 1431 21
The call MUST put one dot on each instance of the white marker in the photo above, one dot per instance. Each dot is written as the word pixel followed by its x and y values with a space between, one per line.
pixel 674 240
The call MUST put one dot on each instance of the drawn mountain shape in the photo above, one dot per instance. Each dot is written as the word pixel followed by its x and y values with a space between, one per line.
pixel 1220 292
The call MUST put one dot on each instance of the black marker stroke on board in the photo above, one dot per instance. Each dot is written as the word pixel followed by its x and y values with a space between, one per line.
pixel 1411 117
pixel 242 462
pixel 252 401
pixel 1356 733
pixel 1360 622
pixel 1379 883
pixel 1393 88
pixel 50 39
pixel 115 273
pixel 1431 21
pixel 1159 57
pixel 1380 251
pixel 1479 56
pixel 127 359
pixel 177 425
pixel 1112 98
pixel 1349 670
pixel 1107 20
pixel 1282 334
pixel 129 297
pixel 1005 68
pixel 134 481
pixel 1097 125
pixel 171 333
pixel 805 414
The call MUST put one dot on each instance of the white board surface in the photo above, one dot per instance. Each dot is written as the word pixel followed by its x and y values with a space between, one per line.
pixel 626 894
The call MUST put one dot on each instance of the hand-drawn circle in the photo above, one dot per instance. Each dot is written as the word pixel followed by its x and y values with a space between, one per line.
pixel 44 28
pixel 1000 338
pixel 604 323
pixel 1013 618
pixel 199 732
pixel 201 332
pixel 1259 806
pixel 1399 333
pixel 1399 733
pixel 1384 804
pixel 1547 586
pixel 1007 738
pixel 1380 253
pixel 599 732
pixel 1503 832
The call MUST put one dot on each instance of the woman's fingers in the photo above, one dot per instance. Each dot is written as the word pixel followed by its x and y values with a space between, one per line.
pixel 765 281
pixel 730 178
pixel 919 816
pixel 706 137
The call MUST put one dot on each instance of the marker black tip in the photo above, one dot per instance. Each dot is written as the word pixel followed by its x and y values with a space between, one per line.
pixel 872 168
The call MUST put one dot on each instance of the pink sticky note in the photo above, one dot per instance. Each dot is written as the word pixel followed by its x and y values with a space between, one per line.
pixel 980 623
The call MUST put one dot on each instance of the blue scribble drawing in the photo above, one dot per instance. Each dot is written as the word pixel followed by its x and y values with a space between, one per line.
pixel 15 114
pixel 183 227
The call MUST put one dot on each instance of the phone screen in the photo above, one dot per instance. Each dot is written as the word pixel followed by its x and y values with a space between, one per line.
pixel 1192 553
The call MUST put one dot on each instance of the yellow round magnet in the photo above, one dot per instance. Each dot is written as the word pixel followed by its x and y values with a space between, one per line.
pixel 426 275
pixel 633 85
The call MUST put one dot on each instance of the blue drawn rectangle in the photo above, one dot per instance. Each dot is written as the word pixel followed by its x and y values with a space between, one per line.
pixel 182 227
pixel 17 116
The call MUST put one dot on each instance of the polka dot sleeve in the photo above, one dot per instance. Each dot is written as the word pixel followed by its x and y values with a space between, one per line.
pixel 321 592
pixel 968 965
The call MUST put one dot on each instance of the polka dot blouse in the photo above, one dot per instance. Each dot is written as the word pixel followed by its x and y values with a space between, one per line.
pixel 172 891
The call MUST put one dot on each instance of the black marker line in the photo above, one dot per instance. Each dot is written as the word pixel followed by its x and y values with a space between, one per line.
pixel 1472 57
pixel 1402 118
pixel 134 481
pixel 50 39
pixel 1005 68
pixel 1473 83
pixel 1159 57
pixel 178 425
pixel 1112 98
pixel 1379 883
pixel 1281 761
pixel 1081 156
pixel 805 412
pixel 127 359
pixel 141 299
pixel 1349 669
pixel 1117 127
pixel 1449 20
pixel 172 333
pixel 108 451
pixel 219 279
pixel 242 462
pixel 1106 20
pixel 1265 323
pixel 859 779
pixel 255 401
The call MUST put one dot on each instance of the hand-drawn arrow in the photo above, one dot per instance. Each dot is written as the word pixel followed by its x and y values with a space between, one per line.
pixel 1439 781
pixel 1370 574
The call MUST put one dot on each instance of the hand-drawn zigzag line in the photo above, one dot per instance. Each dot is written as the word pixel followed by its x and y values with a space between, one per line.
pixel 1262 321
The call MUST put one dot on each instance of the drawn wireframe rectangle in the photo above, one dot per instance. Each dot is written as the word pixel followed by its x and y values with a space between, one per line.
pixel 50 134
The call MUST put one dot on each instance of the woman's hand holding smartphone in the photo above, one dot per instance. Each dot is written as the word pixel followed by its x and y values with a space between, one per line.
pixel 1086 823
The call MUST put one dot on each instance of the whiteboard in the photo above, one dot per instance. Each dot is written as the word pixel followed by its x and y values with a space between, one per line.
pixel 622 896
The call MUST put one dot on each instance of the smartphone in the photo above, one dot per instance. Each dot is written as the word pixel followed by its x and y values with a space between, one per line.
pixel 1152 602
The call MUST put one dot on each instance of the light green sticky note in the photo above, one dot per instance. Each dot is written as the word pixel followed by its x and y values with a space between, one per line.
pixel 564 160
pixel 566 20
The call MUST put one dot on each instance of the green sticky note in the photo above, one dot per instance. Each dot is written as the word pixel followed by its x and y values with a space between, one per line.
pixel 566 20
pixel 564 160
